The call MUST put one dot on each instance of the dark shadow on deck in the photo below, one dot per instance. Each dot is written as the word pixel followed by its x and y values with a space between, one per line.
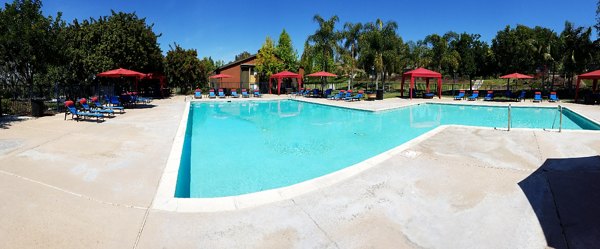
pixel 565 196
pixel 7 121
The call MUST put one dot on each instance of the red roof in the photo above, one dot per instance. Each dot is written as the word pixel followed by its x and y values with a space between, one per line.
pixel 322 74
pixel 590 75
pixel 422 72
pixel 516 76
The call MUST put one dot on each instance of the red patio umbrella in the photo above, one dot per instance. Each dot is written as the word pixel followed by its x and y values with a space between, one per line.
pixel 220 76
pixel 121 72
pixel 322 74
pixel 514 76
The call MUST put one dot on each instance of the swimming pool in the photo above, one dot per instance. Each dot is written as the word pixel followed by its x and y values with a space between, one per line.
pixel 244 147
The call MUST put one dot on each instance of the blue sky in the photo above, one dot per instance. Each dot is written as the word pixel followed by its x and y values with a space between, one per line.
pixel 222 29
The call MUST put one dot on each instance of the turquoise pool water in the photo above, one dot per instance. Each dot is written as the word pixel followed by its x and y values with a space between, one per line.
pixel 234 148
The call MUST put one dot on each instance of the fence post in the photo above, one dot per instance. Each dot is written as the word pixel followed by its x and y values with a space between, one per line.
pixel 560 122
pixel 509 107
pixel 56 94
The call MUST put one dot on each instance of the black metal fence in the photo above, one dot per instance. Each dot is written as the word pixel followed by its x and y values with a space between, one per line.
pixel 14 100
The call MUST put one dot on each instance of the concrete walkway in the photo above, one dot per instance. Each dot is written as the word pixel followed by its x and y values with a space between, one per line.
pixel 68 184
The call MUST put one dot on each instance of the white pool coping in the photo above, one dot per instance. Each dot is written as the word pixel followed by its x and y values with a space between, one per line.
pixel 165 200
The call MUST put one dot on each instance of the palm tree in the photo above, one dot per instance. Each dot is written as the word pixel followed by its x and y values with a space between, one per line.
pixel 577 50
pixel 351 34
pixel 325 40
pixel 378 48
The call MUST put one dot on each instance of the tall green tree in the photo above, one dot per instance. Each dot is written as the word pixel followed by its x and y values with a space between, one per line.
pixel 109 42
pixel 419 54
pixel 27 45
pixel 518 49
pixel 473 55
pixel 242 55
pixel 207 67
pixel 267 63
pixel 443 58
pixel 324 40
pixel 130 42
pixel 219 63
pixel 379 49
pixel 597 26
pixel 577 50
pixel 350 36
pixel 286 53
pixel 182 67
pixel 307 60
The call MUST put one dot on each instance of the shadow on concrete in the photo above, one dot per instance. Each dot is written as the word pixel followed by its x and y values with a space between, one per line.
pixel 140 106
pixel 565 196
pixel 7 121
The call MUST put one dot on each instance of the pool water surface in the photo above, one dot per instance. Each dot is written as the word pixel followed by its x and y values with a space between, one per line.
pixel 234 148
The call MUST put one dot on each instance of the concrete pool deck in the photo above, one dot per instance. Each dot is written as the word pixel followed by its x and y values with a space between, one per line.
pixel 68 184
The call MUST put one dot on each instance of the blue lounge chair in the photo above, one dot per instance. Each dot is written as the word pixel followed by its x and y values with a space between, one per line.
pixel 245 94
pixel 428 95
pixel 198 94
pixel 99 105
pixel 316 93
pixel 338 95
pixel 211 94
pixel 87 108
pixel 413 92
pixel 295 92
pixel 136 98
pixel 299 92
pixel 358 96
pixel 77 114
pixel 521 96
pixel 124 99
pixel 145 100
pixel 552 97
pixel 114 101
pixel 537 97
pixel 257 93
pixel 474 96
pixel 460 95
pixel 327 93
pixel 234 93
pixel 306 92
pixel 348 95
pixel 221 93
pixel 489 96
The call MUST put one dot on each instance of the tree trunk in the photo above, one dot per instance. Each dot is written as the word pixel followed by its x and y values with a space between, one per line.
pixel 376 82
pixel 351 70
pixel 383 78
pixel 470 84
pixel 552 83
